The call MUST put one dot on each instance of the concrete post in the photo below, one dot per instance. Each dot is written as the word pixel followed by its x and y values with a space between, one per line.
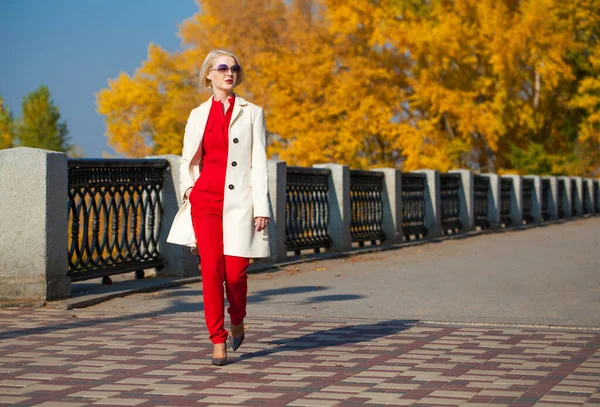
pixel 33 226
pixel 553 197
pixel 340 213
pixel 392 205
pixel 516 199
pixel 277 197
pixel 578 196
pixel 178 260
pixel 433 203
pixel 566 198
pixel 536 198
pixel 494 200
pixel 589 184
pixel 467 199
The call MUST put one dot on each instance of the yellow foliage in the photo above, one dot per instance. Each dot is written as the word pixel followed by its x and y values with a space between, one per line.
pixel 394 83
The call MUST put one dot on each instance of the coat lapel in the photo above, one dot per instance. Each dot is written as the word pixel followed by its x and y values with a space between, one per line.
pixel 237 109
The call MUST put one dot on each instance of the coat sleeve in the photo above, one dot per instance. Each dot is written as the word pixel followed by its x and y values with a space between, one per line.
pixel 258 171
pixel 186 179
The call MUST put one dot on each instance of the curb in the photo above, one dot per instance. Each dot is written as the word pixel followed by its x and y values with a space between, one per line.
pixel 89 300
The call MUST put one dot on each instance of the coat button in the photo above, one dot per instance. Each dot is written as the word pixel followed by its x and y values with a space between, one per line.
pixel 233 164
pixel 235 140
pixel 231 186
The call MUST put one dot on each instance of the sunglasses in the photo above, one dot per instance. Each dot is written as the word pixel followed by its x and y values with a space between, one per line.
pixel 223 69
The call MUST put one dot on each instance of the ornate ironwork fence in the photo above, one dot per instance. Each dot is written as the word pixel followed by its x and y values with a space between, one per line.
pixel 366 205
pixel 561 198
pixel 597 195
pixel 306 210
pixel 506 186
pixel 450 202
pixel 528 185
pixel 413 205
pixel 545 199
pixel 114 216
pixel 574 196
pixel 481 191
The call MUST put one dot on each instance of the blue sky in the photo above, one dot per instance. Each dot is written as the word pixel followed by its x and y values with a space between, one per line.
pixel 75 46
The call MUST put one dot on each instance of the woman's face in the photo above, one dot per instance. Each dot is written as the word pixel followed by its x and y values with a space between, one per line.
pixel 223 80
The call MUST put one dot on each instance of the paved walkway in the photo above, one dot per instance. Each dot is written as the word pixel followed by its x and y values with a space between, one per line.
pixel 547 275
pixel 83 358
pixel 375 329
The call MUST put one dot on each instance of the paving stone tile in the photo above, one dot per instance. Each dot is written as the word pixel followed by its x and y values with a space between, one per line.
pixel 94 394
pixel 12 399
pixel 115 401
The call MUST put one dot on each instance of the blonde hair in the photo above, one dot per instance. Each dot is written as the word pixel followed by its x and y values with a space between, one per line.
pixel 208 62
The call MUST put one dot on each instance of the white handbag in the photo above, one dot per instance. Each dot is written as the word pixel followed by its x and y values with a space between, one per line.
pixel 182 229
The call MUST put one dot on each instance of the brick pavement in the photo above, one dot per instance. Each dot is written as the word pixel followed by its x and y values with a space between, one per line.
pixel 80 358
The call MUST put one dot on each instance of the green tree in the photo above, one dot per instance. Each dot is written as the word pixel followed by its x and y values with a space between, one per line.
pixel 41 125
pixel 7 127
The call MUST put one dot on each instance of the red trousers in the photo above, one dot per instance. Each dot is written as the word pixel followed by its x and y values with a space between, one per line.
pixel 217 268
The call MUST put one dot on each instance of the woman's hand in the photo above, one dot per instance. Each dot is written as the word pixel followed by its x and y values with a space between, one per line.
pixel 261 223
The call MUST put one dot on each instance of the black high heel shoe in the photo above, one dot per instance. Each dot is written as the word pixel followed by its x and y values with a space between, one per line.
pixel 220 361
pixel 237 342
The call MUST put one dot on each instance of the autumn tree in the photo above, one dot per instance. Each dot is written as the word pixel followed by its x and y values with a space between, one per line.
pixel 40 125
pixel 7 129
pixel 492 85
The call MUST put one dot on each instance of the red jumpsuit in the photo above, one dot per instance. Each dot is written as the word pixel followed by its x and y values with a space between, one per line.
pixel 206 200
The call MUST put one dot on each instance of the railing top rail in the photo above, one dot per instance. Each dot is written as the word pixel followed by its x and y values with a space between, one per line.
pixel 118 162
pixel 413 175
pixel 308 170
pixel 366 173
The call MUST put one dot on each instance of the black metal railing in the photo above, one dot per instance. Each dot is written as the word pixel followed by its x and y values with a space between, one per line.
pixel 506 187
pixel 114 216
pixel 306 209
pixel 561 196
pixel 366 221
pixel 574 198
pixel 450 202
pixel 413 205
pixel 546 191
pixel 481 193
pixel 528 186
pixel 597 195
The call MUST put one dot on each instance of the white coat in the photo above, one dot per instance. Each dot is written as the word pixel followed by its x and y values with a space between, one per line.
pixel 246 184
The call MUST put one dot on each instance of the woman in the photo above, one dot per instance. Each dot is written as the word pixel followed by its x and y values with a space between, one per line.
pixel 223 181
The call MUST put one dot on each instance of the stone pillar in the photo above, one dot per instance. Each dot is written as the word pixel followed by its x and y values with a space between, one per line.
pixel 536 198
pixel 566 198
pixel 589 184
pixel 553 197
pixel 467 199
pixel 277 197
pixel 339 206
pixel 178 260
pixel 577 196
pixel 516 200
pixel 433 203
pixel 392 205
pixel 493 200
pixel 33 226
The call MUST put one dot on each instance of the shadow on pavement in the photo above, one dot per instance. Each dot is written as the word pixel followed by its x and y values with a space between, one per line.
pixel 178 304
pixel 345 335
